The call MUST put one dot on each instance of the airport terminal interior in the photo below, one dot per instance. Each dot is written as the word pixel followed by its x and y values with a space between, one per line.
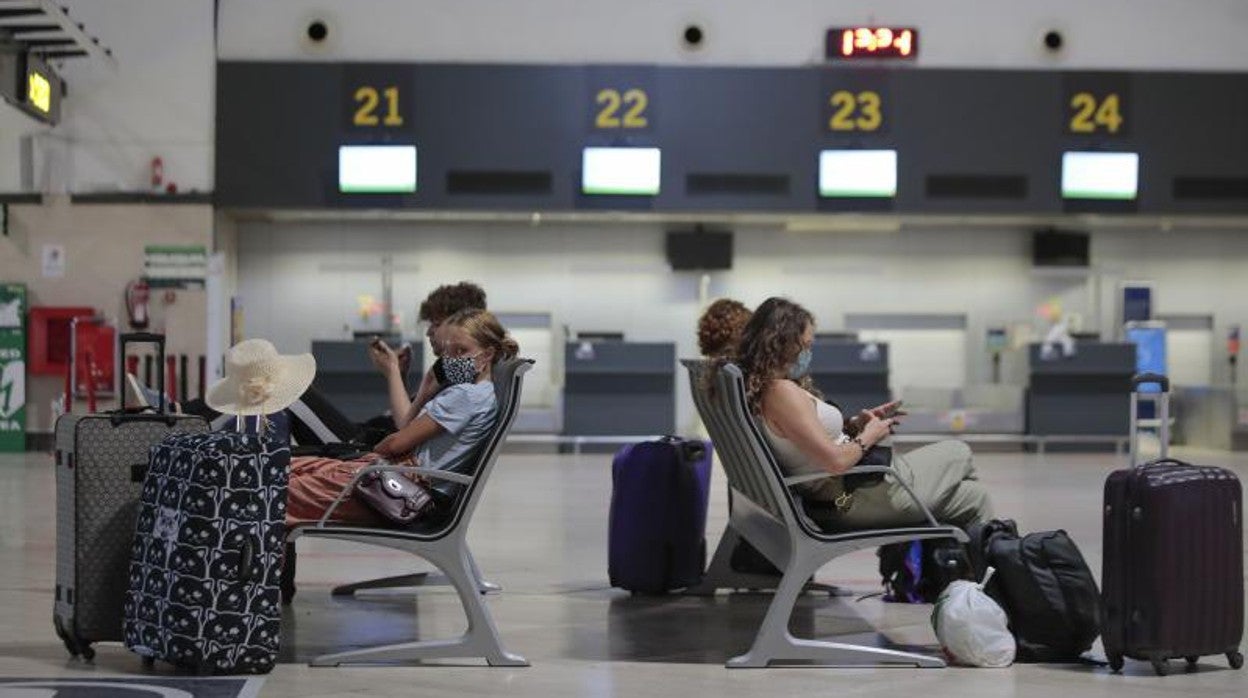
pixel 997 214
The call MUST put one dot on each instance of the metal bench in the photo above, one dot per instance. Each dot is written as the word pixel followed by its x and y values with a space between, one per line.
pixel 766 513
pixel 443 543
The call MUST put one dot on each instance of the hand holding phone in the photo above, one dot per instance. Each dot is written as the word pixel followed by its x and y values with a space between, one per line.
pixel 889 410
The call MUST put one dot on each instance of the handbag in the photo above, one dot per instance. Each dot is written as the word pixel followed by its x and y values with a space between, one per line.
pixel 876 455
pixel 398 499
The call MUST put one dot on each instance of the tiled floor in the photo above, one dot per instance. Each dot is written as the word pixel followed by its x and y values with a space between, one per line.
pixel 541 533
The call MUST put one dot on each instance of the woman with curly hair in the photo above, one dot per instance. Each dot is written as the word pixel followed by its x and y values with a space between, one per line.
pixel 809 436
pixel 719 328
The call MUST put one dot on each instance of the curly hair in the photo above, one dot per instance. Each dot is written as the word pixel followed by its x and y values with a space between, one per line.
pixel 448 299
pixel 769 344
pixel 719 328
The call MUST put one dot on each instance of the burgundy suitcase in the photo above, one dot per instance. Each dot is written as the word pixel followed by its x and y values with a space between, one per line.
pixel 1173 572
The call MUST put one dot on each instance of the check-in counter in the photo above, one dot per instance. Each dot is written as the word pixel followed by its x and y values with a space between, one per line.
pixel 1205 416
pixel 854 375
pixel 1087 394
pixel 348 379
pixel 617 388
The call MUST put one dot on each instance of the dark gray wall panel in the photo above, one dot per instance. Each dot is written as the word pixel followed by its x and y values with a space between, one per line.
pixel 978 123
pixel 755 131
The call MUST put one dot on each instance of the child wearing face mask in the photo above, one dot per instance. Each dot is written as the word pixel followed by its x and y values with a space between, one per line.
pixel 444 433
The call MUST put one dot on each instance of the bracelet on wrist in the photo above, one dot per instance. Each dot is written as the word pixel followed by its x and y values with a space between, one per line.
pixel 858 440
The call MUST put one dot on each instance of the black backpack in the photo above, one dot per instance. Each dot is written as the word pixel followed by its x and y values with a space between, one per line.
pixel 917 571
pixel 1045 587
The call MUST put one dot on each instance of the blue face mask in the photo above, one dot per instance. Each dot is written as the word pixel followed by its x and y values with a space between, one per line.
pixel 801 366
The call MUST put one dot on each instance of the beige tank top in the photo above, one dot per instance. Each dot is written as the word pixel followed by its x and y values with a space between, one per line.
pixel 793 462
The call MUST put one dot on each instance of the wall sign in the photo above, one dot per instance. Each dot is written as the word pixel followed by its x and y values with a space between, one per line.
pixel 1097 104
pixel 513 137
pixel 12 368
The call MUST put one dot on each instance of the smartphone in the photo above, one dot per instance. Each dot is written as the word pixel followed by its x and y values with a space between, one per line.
pixel 895 411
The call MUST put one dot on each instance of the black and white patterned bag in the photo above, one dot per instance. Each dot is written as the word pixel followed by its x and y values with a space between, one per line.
pixel 206 563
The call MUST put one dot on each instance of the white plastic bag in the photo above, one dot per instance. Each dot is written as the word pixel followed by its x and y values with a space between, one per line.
pixel 971 627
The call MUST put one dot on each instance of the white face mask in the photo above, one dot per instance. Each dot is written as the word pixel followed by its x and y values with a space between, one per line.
pixel 461 369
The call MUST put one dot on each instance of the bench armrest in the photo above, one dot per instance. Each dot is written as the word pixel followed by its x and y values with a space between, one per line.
pixel 382 465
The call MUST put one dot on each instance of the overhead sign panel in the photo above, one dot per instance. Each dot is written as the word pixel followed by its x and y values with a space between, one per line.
pixel 31 85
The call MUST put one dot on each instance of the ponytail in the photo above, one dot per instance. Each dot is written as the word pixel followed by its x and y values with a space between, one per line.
pixel 487 331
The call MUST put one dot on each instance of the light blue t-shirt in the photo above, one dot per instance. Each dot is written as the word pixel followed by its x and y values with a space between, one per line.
pixel 467 412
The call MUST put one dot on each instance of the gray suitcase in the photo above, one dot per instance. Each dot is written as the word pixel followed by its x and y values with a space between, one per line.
pixel 100 461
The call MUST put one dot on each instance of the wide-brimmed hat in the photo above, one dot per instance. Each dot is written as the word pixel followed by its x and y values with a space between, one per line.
pixel 258 380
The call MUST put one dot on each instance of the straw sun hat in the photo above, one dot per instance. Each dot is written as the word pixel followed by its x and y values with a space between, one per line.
pixel 258 380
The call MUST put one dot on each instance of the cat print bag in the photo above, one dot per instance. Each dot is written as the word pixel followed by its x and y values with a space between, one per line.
pixel 206 561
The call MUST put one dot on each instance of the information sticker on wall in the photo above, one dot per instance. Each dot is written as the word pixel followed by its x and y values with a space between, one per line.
pixel 53 261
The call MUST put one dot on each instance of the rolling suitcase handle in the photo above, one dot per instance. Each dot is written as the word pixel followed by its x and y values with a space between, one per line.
pixel 128 338
pixel 1163 414
pixel 128 414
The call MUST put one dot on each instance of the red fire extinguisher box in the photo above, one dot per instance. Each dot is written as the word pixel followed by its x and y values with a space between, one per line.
pixel 48 342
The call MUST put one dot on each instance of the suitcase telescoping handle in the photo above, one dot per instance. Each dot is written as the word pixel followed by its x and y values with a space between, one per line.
pixel 126 339
pixel 1163 414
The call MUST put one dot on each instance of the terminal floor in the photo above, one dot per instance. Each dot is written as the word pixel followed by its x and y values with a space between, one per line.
pixel 541 533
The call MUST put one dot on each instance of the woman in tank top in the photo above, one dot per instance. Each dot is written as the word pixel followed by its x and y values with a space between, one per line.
pixel 809 436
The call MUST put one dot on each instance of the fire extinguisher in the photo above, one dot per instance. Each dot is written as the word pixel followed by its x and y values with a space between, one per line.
pixel 137 293
pixel 158 173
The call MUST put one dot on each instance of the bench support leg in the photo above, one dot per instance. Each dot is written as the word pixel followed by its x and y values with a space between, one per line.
pixel 775 644
pixel 481 638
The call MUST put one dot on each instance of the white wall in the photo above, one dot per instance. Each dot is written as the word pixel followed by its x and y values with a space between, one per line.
pixel 158 101
pixel 615 277
pixel 103 247
pixel 1139 34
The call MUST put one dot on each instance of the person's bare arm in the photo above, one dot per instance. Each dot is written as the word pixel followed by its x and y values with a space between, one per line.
pixel 791 412
pixel 409 437
pixel 387 362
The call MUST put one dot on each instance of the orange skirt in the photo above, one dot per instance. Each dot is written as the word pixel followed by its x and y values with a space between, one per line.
pixel 315 482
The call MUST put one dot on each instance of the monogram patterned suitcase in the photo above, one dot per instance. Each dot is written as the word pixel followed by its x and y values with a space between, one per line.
pixel 97 495
pixel 205 566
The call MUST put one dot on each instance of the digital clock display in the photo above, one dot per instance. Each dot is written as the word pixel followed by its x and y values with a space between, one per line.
pixel 849 43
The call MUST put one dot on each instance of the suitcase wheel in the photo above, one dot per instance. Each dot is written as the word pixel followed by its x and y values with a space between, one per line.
pixel 87 652
pixel 1115 662
pixel 70 645
pixel 1191 663
pixel 1161 666
pixel 149 662
pixel 1236 659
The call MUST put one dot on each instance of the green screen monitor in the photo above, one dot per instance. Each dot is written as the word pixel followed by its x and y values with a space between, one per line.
pixel 858 174
pixel 1113 176
pixel 377 169
pixel 621 171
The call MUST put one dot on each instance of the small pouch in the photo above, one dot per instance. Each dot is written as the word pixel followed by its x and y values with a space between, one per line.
pixel 397 498
pixel 876 455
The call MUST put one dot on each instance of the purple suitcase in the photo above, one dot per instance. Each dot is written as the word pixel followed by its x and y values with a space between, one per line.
pixel 1172 579
pixel 659 493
